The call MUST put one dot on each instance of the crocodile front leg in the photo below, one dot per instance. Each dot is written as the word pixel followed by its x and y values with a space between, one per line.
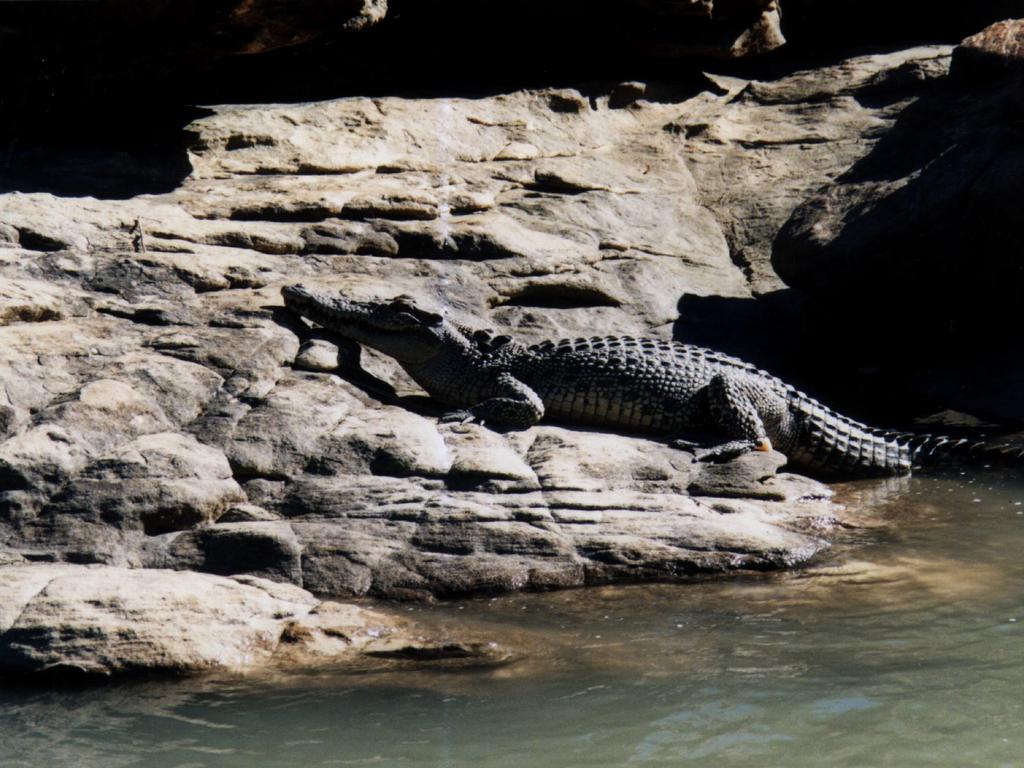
pixel 512 406
pixel 730 411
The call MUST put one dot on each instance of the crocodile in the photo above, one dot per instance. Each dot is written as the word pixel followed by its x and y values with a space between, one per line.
pixel 650 386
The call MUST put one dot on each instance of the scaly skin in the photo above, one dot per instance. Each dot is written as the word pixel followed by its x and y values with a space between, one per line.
pixel 641 385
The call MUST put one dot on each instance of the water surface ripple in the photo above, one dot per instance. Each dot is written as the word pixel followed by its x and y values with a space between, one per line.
pixel 904 647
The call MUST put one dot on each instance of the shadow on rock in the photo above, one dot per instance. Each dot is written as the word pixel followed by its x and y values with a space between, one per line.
pixel 913 249
pixel 115 158
pixel 832 362
pixel 916 237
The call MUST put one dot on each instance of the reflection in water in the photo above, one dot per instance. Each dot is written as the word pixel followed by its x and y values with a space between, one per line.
pixel 905 647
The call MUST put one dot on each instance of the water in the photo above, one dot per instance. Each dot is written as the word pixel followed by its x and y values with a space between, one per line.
pixel 904 648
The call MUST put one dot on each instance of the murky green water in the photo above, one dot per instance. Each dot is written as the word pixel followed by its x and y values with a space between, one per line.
pixel 905 649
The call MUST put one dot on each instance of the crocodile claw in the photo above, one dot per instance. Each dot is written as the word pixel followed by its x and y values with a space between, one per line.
pixel 727 451
pixel 458 417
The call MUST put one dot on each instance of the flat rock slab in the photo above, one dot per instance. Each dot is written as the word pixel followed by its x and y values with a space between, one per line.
pixel 71 620
pixel 549 508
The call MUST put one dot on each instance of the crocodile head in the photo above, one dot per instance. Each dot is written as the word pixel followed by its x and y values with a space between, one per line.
pixel 397 328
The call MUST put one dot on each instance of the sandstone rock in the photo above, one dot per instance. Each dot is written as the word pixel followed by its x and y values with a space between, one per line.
pixel 9 236
pixel 73 621
pixel 266 549
pixel 107 621
pixel 160 409
pixel 101 414
pixel 67 620
pixel 101 390
pixel 624 94
pixel 996 50
pixel 317 355
pixel 403 539
pixel 749 476
pixel 931 193
pixel 159 482
pixel 759 151
pixel 31 301
pixel 246 513
pixel 11 558
pixel 280 436
pixel 388 441
pixel 917 229
pixel 585 461
pixel 21 584
pixel 482 458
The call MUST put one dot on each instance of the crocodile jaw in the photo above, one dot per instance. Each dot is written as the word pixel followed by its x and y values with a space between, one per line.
pixel 373 324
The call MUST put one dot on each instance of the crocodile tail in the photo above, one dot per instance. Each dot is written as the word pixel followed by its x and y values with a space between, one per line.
pixel 930 450
pixel 833 444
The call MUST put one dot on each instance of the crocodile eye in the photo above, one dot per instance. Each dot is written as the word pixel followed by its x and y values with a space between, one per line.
pixel 407 311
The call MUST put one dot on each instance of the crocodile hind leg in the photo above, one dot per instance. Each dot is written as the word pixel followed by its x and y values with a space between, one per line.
pixel 730 411
pixel 513 406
